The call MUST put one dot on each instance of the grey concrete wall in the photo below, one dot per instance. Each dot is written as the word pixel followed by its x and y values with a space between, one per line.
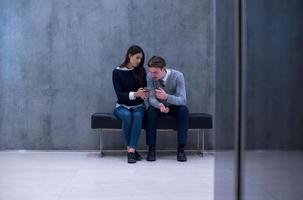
pixel 274 98
pixel 56 60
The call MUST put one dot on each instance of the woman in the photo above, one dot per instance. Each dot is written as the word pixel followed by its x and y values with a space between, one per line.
pixel 129 81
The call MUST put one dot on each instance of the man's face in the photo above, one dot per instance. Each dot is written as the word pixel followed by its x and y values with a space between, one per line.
pixel 157 73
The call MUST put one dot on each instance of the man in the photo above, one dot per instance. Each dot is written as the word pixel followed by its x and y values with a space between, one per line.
pixel 167 97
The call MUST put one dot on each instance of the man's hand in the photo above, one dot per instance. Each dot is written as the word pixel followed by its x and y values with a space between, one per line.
pixel 163 109
pixel 161 94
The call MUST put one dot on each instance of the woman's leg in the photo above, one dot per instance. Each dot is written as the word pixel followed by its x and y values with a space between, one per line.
pixel 125 116
pixel 137 116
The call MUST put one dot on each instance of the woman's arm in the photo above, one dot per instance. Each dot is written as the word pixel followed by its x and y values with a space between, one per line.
pixel 121 95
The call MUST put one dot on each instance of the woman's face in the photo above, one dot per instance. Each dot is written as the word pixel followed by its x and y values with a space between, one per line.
pixel 134 60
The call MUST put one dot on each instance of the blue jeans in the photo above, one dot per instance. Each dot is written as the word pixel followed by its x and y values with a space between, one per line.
pixel 182 115
pixel 131 123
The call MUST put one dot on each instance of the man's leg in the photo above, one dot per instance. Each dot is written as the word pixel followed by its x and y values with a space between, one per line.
pixel 183 121
pixel 182 114
pixel 151 132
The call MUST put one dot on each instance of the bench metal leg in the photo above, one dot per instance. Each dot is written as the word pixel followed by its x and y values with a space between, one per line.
pixel 200 151
pixel 198 142
pixel 101 143
pixel 203 139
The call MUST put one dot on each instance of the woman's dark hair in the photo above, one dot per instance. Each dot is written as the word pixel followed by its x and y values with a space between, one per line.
pixel 140 72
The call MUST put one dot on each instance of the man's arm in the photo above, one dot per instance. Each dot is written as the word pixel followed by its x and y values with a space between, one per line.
pixel 179 98
pixel 152 98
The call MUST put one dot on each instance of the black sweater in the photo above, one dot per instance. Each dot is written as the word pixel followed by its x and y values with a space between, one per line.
pixel 124 81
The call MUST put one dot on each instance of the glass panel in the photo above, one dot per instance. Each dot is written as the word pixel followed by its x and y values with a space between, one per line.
pixel 225 159
pixel 274 101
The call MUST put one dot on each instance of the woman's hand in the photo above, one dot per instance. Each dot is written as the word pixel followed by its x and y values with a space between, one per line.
pixel 143 93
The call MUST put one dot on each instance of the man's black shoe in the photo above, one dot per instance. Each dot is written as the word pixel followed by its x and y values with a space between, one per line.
pixel 131 157
pixel 181 155
pixel 151 156
pixel 138 157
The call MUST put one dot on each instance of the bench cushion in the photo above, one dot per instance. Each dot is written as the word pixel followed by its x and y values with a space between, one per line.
pixel 109 121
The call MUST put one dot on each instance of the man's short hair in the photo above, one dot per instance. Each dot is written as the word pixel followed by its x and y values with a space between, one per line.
pixel 157 62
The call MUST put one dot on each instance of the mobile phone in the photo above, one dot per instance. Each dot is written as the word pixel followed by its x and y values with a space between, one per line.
pixel 147 89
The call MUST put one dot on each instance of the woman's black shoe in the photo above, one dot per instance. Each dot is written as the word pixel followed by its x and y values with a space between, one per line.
pixel 131 157
pixel 138 157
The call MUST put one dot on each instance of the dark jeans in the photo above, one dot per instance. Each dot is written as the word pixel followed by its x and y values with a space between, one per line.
pixel 181 112
pixel 131 123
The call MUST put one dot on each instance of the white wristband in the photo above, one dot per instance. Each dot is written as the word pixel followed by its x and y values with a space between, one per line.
pixel 131 96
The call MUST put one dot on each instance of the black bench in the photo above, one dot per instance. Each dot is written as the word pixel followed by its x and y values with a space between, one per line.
pixel 197 121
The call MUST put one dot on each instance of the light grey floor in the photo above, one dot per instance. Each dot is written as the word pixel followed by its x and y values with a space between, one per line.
pixel 85 176
pixel 273 175
pixel 267 175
